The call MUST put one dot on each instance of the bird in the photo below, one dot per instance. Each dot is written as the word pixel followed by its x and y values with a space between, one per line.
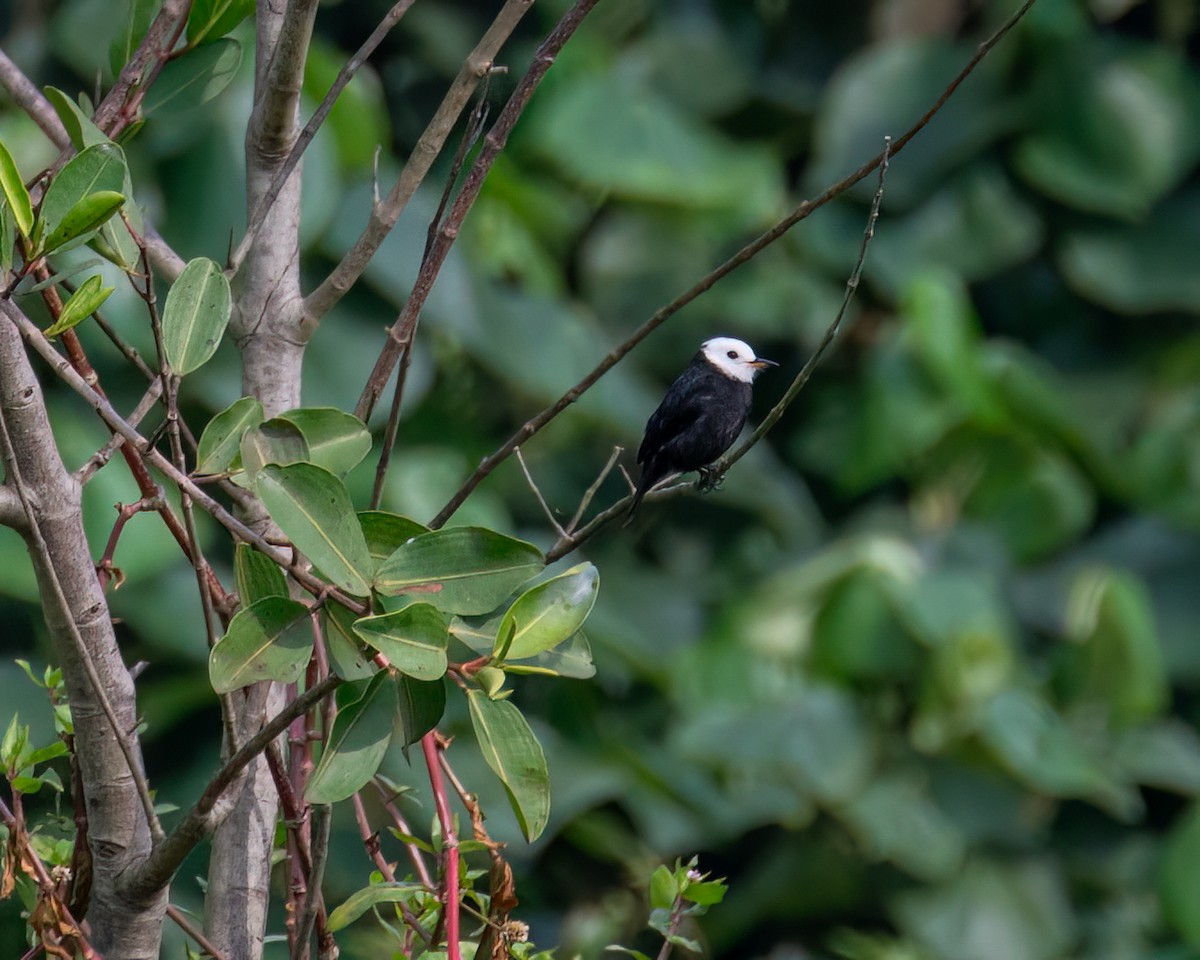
pixel 701 415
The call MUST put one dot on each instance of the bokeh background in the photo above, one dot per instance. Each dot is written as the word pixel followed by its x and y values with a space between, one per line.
pixel 922 680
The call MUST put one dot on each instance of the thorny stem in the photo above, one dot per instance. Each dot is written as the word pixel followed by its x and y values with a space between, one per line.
pixel 752 249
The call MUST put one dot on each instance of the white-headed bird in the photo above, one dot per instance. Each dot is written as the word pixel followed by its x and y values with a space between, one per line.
pixel 701 415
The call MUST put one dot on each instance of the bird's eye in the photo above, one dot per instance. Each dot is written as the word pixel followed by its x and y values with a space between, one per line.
pixel 732 354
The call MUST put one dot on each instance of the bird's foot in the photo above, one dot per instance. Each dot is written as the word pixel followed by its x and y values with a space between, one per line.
pixel 710 479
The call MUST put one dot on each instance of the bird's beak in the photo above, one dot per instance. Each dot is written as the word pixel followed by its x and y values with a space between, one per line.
pixel 761 364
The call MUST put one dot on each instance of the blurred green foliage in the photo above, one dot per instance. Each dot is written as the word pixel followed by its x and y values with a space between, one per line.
pixel 922 679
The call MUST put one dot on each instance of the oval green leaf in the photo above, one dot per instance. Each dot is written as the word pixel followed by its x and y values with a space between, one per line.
pixel 83 219
pixel 314 511
pixel 465 570
pixel 258 576
pixel 422 703
pixel 275 441
pixel 362 901
pixel 196 77
pixel 85 301
pixel 209 20
pixel 356 745
pixel 348 657
pixel 98 169
pixel 222 436
pixel 268 640
pixel 336 441
pixel 195 315
pixel 546 615
pixel 387 532
pixel 79 126
pixel 15 192
pixel 516 757
pixel 413 639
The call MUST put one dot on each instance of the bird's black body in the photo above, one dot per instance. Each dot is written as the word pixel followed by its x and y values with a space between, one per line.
pixel 698 420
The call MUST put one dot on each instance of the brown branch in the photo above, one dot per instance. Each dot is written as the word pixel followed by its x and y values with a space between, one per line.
pixel 157 869
pixel 194 932
pixel 345 75
pixel 385 214
pixel 748 252
pixel 29 98
pixel 33 336
pixel 401 331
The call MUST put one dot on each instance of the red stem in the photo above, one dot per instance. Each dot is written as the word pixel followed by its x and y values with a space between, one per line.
pixel 429 745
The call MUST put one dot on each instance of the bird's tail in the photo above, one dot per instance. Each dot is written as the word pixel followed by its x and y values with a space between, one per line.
pixel 637 500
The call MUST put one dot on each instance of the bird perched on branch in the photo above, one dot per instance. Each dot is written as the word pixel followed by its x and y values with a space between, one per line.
pixel 701 415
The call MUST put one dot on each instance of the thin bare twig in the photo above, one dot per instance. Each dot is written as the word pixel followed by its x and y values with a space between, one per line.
pixel 29 98
pixel 186 925
pixel 407 333
pixel 591 491
pixel 385 214
pixel 493 144
pixel 538 493
pixel 752 249
pixel 345 75
pixel 719 469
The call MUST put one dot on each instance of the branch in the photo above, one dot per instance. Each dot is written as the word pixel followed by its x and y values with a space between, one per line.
pixel 53 585
pixel 29 98
pixel 431 749
pixel 33 336
pixel 719 469
pixel 345 75
pixel 155 872
pixel 402 330
pixel 12 511
pixel 752 249
pixel 278 92
pixel 385 214
pixel 191 930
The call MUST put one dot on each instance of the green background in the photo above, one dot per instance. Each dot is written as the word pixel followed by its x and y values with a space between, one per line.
pixel 922 678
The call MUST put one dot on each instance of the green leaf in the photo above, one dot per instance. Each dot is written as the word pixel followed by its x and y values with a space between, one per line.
pixel 516 757
pixel 209 20
pixel 85 193
pixel 617 948
pixel 258 576
pixel 313 510
pixel 706 893
pixel 663 888
pixel 1179 877
pixel 83 219
pixel 546 615
pixel 360 902
pixel 348 657
pixel 85 301
pixel 422 703
pixel 413 639
pixel 268 640
pixel 356 745
pixel 194 318
pixel 196 77
pixel 336 441
pixel 220 441
pixel 466 570
pixel 275 441
pixel 387 532
pixel 571 659
pixel 15 192
pixel 7 236
pixel 133 30
pixel 78 124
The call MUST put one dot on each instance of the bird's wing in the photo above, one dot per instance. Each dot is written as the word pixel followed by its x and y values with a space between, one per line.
pixel 685 404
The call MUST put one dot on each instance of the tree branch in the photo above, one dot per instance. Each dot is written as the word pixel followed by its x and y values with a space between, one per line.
pixel 33 336
pixel 29 98
pixel 155 871
pixel 385 213
pixel 345 75
pixel 748 252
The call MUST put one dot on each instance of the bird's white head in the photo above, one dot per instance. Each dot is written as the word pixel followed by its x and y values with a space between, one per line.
pixel 734 358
